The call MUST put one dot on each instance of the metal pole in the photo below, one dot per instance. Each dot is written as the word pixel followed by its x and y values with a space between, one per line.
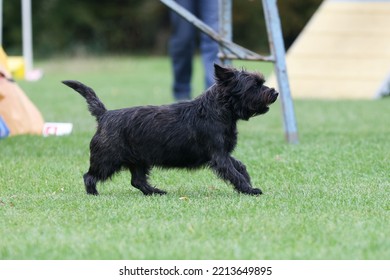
pixel 27 35
pixel 275 39
pixel 225 28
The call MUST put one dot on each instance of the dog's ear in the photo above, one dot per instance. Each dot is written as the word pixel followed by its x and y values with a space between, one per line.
pixel 223 74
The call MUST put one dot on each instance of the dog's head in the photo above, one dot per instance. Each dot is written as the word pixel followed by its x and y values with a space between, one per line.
pixel 244 92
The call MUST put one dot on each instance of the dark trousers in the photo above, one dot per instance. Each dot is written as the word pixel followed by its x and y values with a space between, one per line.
pixel 183 41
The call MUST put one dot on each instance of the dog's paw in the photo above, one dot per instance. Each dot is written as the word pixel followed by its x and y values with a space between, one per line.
pixel 160 192
pixel 155 191
pixel 92 192
pixel 255 192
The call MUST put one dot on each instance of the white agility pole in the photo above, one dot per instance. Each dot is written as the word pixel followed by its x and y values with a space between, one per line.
pixel 27 36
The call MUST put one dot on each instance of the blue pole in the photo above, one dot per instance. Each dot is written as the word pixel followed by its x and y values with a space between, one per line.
pixel 276 43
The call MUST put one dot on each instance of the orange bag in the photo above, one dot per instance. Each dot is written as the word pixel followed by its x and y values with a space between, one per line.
pixel 17 111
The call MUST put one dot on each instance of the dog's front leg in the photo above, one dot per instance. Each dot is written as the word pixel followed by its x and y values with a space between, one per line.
pixel 241 168
pixel 224 166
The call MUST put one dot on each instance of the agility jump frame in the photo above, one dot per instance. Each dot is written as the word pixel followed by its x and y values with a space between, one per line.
pixel 229 50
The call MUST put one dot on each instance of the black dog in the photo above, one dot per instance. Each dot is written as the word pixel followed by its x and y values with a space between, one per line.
pixel 189 134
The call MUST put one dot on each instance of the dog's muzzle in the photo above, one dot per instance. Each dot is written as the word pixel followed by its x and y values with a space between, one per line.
pixel 271 95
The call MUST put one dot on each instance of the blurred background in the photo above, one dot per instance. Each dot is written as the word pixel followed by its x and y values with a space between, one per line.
pixel 88 27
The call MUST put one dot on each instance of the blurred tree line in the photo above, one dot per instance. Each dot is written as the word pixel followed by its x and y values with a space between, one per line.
pixel 78 27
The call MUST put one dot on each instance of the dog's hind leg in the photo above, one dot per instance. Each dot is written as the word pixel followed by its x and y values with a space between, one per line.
pixel 90 184
pixel 99 170
pixel 226 169
pixel 139 180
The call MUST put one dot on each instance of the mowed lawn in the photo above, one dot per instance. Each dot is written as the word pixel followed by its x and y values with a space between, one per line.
pixel 326 198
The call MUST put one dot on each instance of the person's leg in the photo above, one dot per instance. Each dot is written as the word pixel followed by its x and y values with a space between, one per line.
pixel 208 13
pixel 181 49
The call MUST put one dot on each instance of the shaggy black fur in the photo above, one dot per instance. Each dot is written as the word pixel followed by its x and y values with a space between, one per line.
pixel 189 134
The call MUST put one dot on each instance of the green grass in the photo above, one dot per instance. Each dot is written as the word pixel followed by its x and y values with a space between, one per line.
pixel 326 198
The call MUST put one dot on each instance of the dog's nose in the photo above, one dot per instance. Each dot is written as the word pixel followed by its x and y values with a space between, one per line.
pixel 274 93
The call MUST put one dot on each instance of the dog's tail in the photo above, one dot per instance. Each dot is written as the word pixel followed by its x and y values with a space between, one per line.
pixel 95 106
